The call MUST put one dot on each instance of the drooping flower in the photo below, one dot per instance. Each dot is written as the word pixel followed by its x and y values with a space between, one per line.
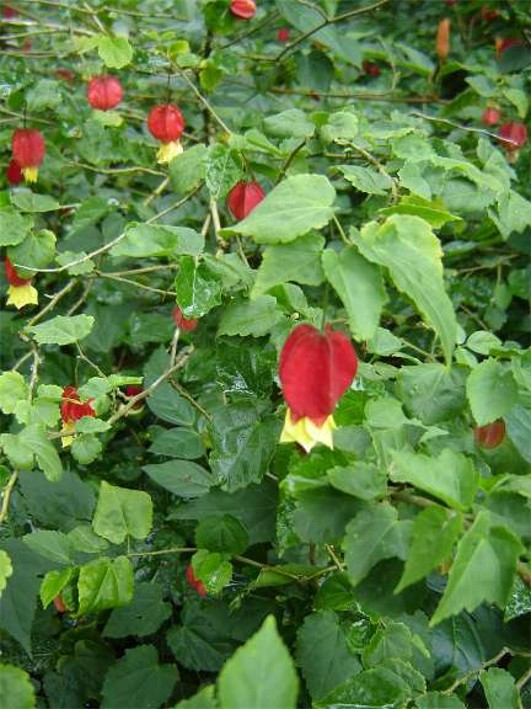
pixel 243 198
pixel 243 9
pixel 73 409
pixel 195 583
pixel 166 123
pixel 490 435
pixel 315 370
pixel 442 42
pixel 104 92
pixel 186 324
pixel 14 173
pixel 28 151
pixel 20 291
pixel 490 116
pixel 513 135
pixel 283 34
pixel 370 68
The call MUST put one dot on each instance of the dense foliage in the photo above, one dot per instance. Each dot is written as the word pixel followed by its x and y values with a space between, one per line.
pixel 183 183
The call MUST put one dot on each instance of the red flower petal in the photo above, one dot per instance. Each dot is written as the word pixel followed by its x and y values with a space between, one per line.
pixel 513 135
pixel 490 435
pixel 243 198
pixel 193 582
pixel 12 276
pixel 243 9
pixel 104 92
pixel 315 370
pixel 166 123
pixel 186 324
pixel 14 173
pixel 72 408
pixel 28 147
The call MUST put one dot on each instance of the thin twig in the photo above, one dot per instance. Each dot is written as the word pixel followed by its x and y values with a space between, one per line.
pixel 6 496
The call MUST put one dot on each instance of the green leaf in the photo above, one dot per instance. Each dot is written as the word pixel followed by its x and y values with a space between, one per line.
pixel 431 211
pixel 407 247
pixel 223 533
pixel 198 289
pixel 188 169
pixel 500 688
pixel 16 688
pixel 6 569
pixel 12 390
pixel 292 123
pixel 137 680
pixel 35 439
pixel 43 94
pixel 212 569
pixel 261 674
pixel 366 179
pixel 378 687
pixel 483 341
pixel 518 424
pixel 13 226
pixel 435 531
pixel 250 317
pixel 144 616
pixel 323 653
pixel 105 583
pixel 181 477
pixel 297 261
pixel 62 329
pixel 223 170
pixel 115 52
pixel 451 476
pixel 359 284
pixel 294 207
pixel 28 201
pixel 86 448
pixel 483 569
pixel 395 640
pixel 374 534
pixel 170 406
pixel 363 480
pixel 432 392
pixel 204 699
pixel 491 391
pixel 51 544
pixel 150 240
pixel 53 583
pixel 178 443
pixel 122 513
pixel 36 251
pixel 342 125
pixel 83 538
pixel 439 700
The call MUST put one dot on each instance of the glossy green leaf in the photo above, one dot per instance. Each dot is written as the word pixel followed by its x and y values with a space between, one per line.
pixel 178 443
pixel 188 169
pixel 169 405
pixel 53 583
pixel 181 477
pixel 16 688
pixel 51 544
pixel 14 226
pixel 115 52
pixel 432 392
pixel 143 616
pixel 432 212
pixel 491 391
pixel 122 513
pixel 151 240
pixel 105 583
pixel 250 317
pixel 223 533
pixel 197 287
pixel 363 480
pixel 500 688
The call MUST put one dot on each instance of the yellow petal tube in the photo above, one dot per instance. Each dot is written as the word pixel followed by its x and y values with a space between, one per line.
pixel 30 174
pixel 19 296
pixel 306 433
pixel 168 151
pixel 69 427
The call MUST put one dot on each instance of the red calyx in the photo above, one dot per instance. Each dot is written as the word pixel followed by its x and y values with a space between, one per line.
pixel 28 147
pixel 166 123
pixel 513 135
pixel 72 408
pixel 104 92
pixel 490 116
pixel 243 198
pixel 12 276
pixel 14 173
pixel 195 583
pixel 315 370
pixel 186 324
pixel 243 9
pixel 490 435
pixel 370 68
pixel 283 34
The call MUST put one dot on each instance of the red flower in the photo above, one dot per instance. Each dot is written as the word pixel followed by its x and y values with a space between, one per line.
pixel 8 11
pixel 490 435
pixel 59 604
pixel 243 9
pixel 490 116
pixel 166 123
pixel 283 34
pixel 195 583
pixel 243 198
pixel 370 68
pixel 20 291
pixel 315 371
pixel 28 151
pixel 14 173
pixel 513 135
pixel 133 390
pixel 186 324
pixel 11 275
pixel 72 408
pixel 104 92
pixel 66 75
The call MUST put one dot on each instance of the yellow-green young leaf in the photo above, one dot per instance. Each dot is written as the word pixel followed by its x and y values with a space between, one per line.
pixel 16 689
pixel 13 226
pixel 6 569
pixel 121 512
pixel 435 531
pixel 491 391
pixel 411 252
pixel 53 583
pixel 261 674
pixel 12 390
pixel 451 476
pixel 116 52
pixel 62 330
pixel 294 207
pixel 500 688
pixel 250 317
pixel 212 569
pixel 483 569
pixel 204 699
pixel 431 211
pixel 105 583
pixel 359 284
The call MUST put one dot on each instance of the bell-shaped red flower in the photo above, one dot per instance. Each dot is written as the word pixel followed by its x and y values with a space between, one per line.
pixel 104 92
pixel 490 435
pixel 283 34
pixel 490 116
pixel 513 135
pixel 72 408
pixel 315 370
pixel 195 583
pixel 186 324
pixel 243 9
pixel 20 291
pixel 166 123
pixel 14 173
pixel 243 198
pixel 28 151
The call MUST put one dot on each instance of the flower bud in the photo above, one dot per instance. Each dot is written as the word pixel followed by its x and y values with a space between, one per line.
pixel 104 92
pixel 243 198
pixel 243 9
pixel 28 151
